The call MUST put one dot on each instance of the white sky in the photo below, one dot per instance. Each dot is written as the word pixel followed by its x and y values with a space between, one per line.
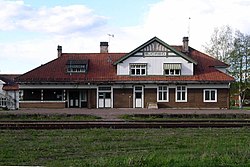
pixel 30 30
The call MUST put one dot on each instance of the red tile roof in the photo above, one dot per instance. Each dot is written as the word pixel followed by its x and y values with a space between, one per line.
pixel 101 69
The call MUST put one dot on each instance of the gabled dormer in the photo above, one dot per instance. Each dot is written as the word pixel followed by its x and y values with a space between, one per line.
pixel 155 57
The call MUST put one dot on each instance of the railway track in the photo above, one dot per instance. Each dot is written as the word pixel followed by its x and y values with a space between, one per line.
pixel 124 124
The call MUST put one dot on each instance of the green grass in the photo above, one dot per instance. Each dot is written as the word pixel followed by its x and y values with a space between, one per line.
pixel 128 147
pixel 46 117
pixel 237 108
pixel 155 117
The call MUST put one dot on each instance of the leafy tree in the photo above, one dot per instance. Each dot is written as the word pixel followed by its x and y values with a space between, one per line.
pixel 221 43
pixel 234 49
pixel 240 64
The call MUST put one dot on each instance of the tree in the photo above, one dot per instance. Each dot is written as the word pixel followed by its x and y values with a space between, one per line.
pixel 240 64
pixel 233 49
pixel 221 43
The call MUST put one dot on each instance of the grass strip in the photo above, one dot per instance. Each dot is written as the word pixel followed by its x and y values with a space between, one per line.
pixel 183 116
pixel 47 117
pixel 127 147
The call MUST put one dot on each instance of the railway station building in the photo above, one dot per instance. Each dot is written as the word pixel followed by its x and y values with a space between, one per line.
pixel 154 73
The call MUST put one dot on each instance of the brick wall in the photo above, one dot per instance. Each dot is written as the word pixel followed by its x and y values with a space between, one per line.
pixel 150 95
pixel 92 98
pixel 195 100
pixel 123 98
pixel 42 105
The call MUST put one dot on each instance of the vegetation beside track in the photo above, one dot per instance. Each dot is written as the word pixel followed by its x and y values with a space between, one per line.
pixel 47 117
pixel 155 117
pixel 126 147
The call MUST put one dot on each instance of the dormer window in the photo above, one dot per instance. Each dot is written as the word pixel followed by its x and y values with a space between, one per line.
pixel 77 66
pixel 138 69
pixel 172 68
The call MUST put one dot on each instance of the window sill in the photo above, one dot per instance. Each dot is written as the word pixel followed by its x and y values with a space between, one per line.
pixel 138 75
pixel 210 101
pixel 162 101
pixel 172 75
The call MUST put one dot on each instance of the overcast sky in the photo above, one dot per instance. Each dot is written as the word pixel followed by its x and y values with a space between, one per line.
pixel 30 30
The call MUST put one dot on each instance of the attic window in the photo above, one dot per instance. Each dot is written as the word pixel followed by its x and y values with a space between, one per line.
pixel 77 66
pixel 138 69
pixel 172 68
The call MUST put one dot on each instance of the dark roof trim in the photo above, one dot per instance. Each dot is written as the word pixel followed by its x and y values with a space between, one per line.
pixel 151 41
pixel 7 80
pixel 76 62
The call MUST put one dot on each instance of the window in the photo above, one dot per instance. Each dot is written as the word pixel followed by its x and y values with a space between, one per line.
pixel 105 88
pixel 20 95
pixel 52 95
pixel 138 69
pixel 3 102
pixel 181 94
pixel 83 95
pixel 162 94
pixel 77 66
pixel 172 69
pixel 209 95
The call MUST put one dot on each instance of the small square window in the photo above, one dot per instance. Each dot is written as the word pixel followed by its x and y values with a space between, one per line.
pixel 177 72
pixel 210 95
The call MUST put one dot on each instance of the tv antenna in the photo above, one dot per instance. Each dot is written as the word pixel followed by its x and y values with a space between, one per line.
pixel 111 35
pixel 188 31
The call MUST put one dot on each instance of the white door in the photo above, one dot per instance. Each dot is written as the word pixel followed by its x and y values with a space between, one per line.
pixel 104 100
pixel 138 97
pixel 101 100
pixel 74 99
pixel 107 103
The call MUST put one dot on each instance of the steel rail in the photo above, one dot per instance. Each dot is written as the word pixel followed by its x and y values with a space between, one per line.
pixel 124 124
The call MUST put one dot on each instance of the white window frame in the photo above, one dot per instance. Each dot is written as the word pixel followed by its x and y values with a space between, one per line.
pixel 3 102
pixel 209 90
pixel 81 68
pixel 141 89
pixel 181 91
pixel 174 72
pixel 139 66
pixel 102 89
pixel 171 69
pixel 162 91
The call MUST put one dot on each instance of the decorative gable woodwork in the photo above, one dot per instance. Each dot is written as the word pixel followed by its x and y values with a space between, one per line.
pixel 155 47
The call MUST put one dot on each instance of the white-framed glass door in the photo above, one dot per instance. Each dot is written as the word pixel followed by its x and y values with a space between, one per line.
pixel 138 97
pixel 104 97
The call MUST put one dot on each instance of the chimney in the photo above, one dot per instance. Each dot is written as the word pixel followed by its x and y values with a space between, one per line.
pixel 59 51
pixel 185 45
pixel 104 47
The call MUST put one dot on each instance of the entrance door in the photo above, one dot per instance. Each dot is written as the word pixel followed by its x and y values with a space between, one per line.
pixel 138 97
pixel 74 99
pixel 104 100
